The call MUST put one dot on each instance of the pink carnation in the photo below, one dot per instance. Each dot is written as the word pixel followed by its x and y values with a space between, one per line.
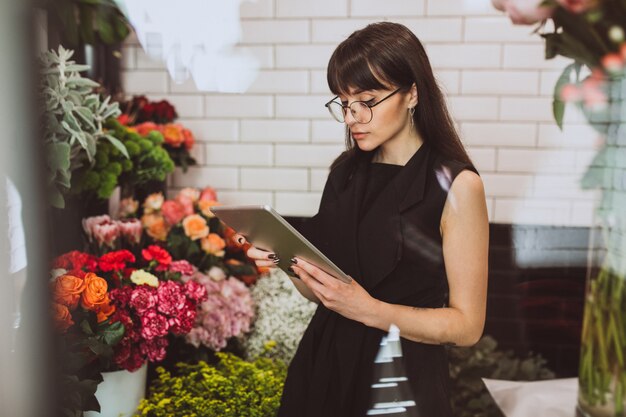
pixel 153 325
pixel 183 267
pixel 131 229
pixel 195 291
pixel 143 298
pixel 171 298
pixel 154 349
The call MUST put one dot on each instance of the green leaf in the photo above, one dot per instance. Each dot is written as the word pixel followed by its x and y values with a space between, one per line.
pixel 86 328
pixel 113 333
pixel 58 156
pixel 86 116
pixel 105 28
pixel 121 28
pixel 118 144
pixel 86 22
pixel 558 106
pixel 56 198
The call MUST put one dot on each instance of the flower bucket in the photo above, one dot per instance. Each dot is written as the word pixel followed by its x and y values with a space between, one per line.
pixel 120 392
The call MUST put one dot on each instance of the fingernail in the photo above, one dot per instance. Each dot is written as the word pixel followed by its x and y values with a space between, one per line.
pixel 294 260
pixel 276 260
pixel 240 240
pixel 272 256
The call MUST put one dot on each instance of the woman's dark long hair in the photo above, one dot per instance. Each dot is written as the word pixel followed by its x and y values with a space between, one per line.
pixel 384 55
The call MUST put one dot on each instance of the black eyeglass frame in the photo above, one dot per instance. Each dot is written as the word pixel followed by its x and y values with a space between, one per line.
pixel 347 106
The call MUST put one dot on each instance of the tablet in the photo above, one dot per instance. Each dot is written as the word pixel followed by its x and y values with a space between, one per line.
pixel 267 230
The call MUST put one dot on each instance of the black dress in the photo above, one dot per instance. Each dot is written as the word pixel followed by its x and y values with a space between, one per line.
pixel 380 224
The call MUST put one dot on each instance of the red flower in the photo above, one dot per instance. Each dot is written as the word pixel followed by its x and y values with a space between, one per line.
pixel 121 298
pixel 185 321
pixel 157 253
pixel 183 267
pixel 196 291
pixel 153 325
pixel 115 261
pixel 154 349
pixel 171 298
pixel 76 260
pixel 124 119
pixel 173 211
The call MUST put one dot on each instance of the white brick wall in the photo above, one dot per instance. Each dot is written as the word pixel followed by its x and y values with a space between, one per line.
pixel 273 144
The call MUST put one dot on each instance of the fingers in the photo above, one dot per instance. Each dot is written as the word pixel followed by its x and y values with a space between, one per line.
pixel 315 272
pixel 260 254
pixel 314 285
pixel 238 239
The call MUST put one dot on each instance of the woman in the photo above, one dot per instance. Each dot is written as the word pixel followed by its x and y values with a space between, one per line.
pixel 403 212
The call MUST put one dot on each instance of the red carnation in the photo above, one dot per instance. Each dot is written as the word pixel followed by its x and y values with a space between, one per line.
pixel 143 298
pixel 154 349
pixel 153 325
pixel 171 298
pixel 195 291
pixel 115 261
pixel 76 260
pixel 158 254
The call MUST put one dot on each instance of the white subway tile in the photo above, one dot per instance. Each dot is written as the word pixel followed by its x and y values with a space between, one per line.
pixel 200 176
pixel 275 31
pixel 531 56
pixel 213 130
pixel 319 84
pixel 536 160
pixel 434 29
pixel 526 109
pixel 483 158
pixel 482 29
pixel 473 108
pixel 236 198
pixel 460 8
pixel 572 136
pixel 302 107
pixel 532 211
pixel 197 152
pixel 336 30
pixel 128 57
pixel 271 179
pixel 449 81
pixel 500 82
pixel 499 134
pixel 318 179
pixel 328 131
pixel 144 82
pixel 256 9
pixel 386 8
pixel 275 130
pixel 303 56
pixel 560 186
pixel 464 56
pixel 144 61
pixel 582 213
pixel 507 185
pixel 298 204
pixel 239 105
pixel 239 155
pixel 187 86
pixel 187 106
pixel 308 9
pixel 280 82
pixel 584 159
pixel 548 81
pixel 490 208
pixel 319 156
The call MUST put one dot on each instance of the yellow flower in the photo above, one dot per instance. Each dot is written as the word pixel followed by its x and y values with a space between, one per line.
pixel 141 277
pixel 153 203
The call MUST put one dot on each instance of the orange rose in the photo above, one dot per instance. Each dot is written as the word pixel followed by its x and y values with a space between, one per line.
pixel 105 310
pixel 95 294
pixel 155 226
pixel 62 317
pixel 67 290
pixel 173 134
pixel 205 207
pixel 195 227
pixel 213 244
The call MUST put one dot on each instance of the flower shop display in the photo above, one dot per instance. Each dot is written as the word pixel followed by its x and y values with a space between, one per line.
pixel 592 33
pixel 74 118
pixel 190 231
pixel 116 311
pixel 231 388
pixel 144 116
pixel 282 315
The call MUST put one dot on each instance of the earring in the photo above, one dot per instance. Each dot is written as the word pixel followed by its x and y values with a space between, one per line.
pixel 411 113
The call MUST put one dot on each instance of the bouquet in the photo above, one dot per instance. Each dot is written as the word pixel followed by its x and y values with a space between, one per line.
pixel 189 230
pixel 143 116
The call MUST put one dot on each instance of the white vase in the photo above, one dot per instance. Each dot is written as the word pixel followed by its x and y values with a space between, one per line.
pixel 120 392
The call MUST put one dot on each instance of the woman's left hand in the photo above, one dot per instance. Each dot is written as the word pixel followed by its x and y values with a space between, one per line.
pixel 350 300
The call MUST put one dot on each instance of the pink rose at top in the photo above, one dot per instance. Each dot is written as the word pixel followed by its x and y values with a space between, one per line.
pixel 187 203
pixel 524 12
pixel 131 229
pixel 578 6
pixel 208 194
pixel 173 212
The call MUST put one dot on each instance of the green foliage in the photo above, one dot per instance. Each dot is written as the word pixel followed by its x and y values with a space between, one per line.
pixel 73 119
pixel 232 388
pixel 470 398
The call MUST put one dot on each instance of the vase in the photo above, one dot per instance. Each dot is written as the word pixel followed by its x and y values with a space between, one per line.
pixel 120 392
pixel 602 371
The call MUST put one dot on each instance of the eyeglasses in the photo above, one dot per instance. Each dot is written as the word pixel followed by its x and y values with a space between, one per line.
pixel 361 110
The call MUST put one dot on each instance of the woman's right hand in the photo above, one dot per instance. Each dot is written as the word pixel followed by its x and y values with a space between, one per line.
pixel 261 257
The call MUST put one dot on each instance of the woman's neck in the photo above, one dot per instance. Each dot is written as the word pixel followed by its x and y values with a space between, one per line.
pixel 398 153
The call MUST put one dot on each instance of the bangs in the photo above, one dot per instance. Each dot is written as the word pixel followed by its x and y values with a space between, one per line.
pixel 350 68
